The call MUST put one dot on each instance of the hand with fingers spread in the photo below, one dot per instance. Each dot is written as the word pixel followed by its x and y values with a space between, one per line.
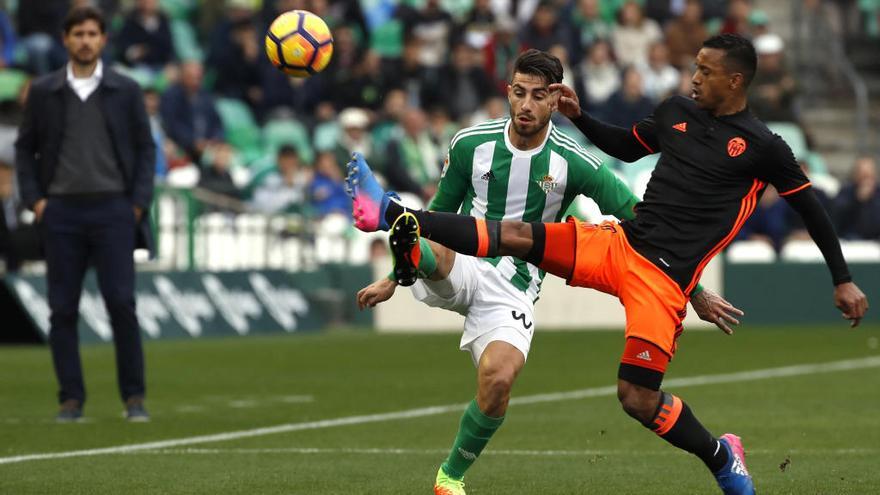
pixel 851 301
pixel 569 104
pixel 715 309
pixel 375 293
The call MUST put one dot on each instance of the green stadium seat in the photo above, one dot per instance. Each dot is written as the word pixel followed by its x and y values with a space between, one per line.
pixel 387 39
pixel 11 82
pixel 186 43
pixel 242 132
pixel 792 134
pixel 326 136
pixel 277 133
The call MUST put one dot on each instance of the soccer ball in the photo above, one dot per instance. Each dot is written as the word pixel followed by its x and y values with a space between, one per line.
pixel 299 43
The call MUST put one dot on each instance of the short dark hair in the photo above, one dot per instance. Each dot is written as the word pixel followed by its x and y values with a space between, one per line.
pixel 739 54
pixel 80 15
pixel 538 63
pixel 287 150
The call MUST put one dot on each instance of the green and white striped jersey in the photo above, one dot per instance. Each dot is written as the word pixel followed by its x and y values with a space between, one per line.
pixel 485 176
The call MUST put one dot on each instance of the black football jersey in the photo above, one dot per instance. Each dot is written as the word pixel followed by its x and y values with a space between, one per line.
pixel 711 173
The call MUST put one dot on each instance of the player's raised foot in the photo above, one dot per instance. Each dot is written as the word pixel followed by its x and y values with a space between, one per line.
pixel 734 478
pixel 405 248
pixel 369 200
pixel 447 485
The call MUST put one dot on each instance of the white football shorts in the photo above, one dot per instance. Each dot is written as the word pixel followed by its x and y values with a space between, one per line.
pixel 493 308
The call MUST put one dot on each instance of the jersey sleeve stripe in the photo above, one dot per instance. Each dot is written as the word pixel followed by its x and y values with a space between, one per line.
pixel 799 188
pixel 482 238
pixel 636 134
pixel 747 206
pixel 575 151
pixel 467 133
pixel 593 159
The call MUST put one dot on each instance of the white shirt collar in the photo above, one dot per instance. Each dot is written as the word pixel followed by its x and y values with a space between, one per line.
pixel 85 86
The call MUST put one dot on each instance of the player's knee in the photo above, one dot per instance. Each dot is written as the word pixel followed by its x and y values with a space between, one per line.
pixel 499 381
pixel 516 238
pixel 636 404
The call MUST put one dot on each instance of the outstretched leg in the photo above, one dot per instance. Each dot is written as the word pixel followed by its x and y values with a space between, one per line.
pixel 638 389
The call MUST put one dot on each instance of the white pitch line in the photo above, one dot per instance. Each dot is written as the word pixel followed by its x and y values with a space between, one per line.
pixel 501 452
pixel 743 376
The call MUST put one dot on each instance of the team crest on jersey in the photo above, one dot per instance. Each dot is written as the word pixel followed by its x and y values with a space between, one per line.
pixel 736 146
pixel 547 184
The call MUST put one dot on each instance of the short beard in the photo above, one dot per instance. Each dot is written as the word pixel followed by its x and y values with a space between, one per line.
pixel 524 133
pixel 81 61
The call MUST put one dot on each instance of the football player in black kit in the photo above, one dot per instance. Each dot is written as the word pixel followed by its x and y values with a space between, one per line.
pixel 716 159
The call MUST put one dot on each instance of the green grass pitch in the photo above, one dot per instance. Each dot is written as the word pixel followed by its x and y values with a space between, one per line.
pixel 822 428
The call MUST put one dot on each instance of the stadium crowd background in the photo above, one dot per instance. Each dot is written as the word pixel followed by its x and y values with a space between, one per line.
pixel 405 76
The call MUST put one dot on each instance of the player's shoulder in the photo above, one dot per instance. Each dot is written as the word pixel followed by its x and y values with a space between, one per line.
pixel 679 102
pixel 570 149
pixel 479 133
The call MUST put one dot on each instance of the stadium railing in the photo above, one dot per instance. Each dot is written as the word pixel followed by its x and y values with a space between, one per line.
pixel 199 230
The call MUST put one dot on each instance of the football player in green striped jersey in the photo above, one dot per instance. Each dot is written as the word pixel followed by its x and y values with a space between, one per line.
pixel 517 168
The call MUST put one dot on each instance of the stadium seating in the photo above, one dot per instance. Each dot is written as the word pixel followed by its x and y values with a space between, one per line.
pixel 242 130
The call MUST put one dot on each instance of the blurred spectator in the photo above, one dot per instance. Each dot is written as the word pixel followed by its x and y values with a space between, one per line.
pixel 660 78
pixel 737 19
pixel 221 40
pixel 464 83
pixel 597 75
pixel 368 83
pixel 354 123
pixel 759 23
pixel 663 11
pixel 414 161
pixel 433 27
pixel 19 241
pixel 773 90
pixel 495 108
pixel 685 35
pixel 284 189
pixel 685 84
pixel 545 29
pixel 479 24
pixel 39 30
pixel 7 41
pixel 857 207
pixel 188 112
pixel 393 106
pixel 343 68
pixel 237 67
pixel 500 53
pixel 589 25
pixel 629 104
pixel 215 176
pixel 145 37
pixel 561 52
pixel 769 222
pixel 634 34
pixel 441 128
pixel 151 103
pixel 419 82
pixel 327 191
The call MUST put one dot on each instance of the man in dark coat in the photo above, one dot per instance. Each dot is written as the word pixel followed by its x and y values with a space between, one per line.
pixel 85 160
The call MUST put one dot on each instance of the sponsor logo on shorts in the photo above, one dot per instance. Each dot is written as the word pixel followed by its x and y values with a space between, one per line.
pixel 521 316
pixel 644 355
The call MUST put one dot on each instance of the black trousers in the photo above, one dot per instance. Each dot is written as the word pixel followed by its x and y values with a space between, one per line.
pixel 100 232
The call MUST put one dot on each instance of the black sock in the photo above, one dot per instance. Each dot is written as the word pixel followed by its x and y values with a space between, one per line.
pixel 460 233
pixel 687 433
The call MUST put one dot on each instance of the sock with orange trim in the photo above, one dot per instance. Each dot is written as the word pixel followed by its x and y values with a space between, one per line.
pixel 460 233
pixel 675 423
